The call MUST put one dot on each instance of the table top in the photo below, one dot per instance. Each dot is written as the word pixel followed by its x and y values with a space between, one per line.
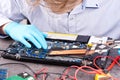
pixel 14 69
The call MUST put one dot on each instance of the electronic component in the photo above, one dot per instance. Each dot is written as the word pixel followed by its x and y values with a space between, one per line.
pixel 21 76
pixel 63 49
pixel 103 76
pixel 3 74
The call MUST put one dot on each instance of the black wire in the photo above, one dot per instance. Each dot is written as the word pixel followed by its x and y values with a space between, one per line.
pixel 47 73
pixel 19 64
pixel 3 50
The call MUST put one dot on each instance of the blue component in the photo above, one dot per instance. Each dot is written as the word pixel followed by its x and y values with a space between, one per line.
pixel 38 53
pixel 119 51
pixel 53 45
pixel 3 74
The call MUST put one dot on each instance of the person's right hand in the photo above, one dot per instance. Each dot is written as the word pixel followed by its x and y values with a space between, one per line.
pixel 24 33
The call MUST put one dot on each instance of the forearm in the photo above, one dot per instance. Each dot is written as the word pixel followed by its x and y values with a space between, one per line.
pixel 2 33
pixel 1 30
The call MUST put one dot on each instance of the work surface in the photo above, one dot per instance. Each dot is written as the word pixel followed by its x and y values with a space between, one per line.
pixel 14 69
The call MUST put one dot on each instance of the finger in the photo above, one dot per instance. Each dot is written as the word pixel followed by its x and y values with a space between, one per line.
pixel 40 38
pixel 45 35
pixel 38 31
pixel 33 40
pixel 23 41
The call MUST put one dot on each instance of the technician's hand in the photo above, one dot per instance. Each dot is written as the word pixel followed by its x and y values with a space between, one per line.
pixel 22 33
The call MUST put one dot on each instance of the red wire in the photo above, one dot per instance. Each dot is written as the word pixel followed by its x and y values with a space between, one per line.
pixel 84 69
pixel 99 70
pixel 38 72
pixel 66 72
pixel 115 61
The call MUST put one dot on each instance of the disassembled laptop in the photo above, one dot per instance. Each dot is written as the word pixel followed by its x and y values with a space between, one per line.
pixel 65 49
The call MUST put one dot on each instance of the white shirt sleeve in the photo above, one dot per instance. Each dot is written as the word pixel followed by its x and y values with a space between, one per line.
pixel 9 11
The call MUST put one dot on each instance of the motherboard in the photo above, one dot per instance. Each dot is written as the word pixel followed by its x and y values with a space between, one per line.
pixel 63 49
